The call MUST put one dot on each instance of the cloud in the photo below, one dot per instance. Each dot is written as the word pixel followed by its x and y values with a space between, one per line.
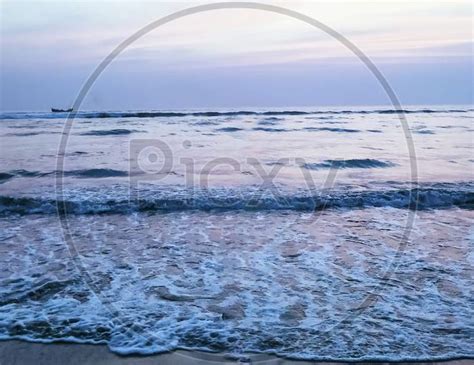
pixel 64 41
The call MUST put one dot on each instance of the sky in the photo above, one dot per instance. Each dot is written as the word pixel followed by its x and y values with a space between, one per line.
pixel 234 57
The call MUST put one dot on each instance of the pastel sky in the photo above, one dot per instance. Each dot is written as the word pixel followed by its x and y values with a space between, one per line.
pixel 234 58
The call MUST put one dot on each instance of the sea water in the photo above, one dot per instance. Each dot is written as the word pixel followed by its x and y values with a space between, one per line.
pixel 312 233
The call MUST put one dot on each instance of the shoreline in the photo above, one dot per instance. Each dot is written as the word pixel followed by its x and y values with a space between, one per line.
pixel 58 353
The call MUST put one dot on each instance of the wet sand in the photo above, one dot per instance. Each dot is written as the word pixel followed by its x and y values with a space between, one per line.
pixel 26 353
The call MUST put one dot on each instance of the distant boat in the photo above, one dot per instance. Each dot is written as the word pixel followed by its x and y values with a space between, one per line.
pixel 61 110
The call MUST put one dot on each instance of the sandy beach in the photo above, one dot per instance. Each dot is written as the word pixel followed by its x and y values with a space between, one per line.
pixel 25 353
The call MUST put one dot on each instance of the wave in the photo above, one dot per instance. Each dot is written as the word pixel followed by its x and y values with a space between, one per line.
pixel 205 122
pixel 96 173
pixel 365 163
pixel 424 131
pixel 268 129
pixel 267 122
pixel 4 176
pixel 329 129
pixel 217 200
pixel 162 114
pixel 109 132
pixel 84 173
pixel 25 134
pixel 229 129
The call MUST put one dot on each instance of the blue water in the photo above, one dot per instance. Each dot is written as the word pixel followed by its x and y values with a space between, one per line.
pixel 302 232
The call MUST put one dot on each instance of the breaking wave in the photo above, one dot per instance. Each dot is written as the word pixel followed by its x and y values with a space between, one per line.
pixel 364 163
pixel 84 173
pixel 423 198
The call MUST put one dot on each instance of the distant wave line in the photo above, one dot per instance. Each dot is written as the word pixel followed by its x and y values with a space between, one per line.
pixel 170 114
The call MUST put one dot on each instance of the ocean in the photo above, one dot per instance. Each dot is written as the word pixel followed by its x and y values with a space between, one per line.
pixel 310 233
